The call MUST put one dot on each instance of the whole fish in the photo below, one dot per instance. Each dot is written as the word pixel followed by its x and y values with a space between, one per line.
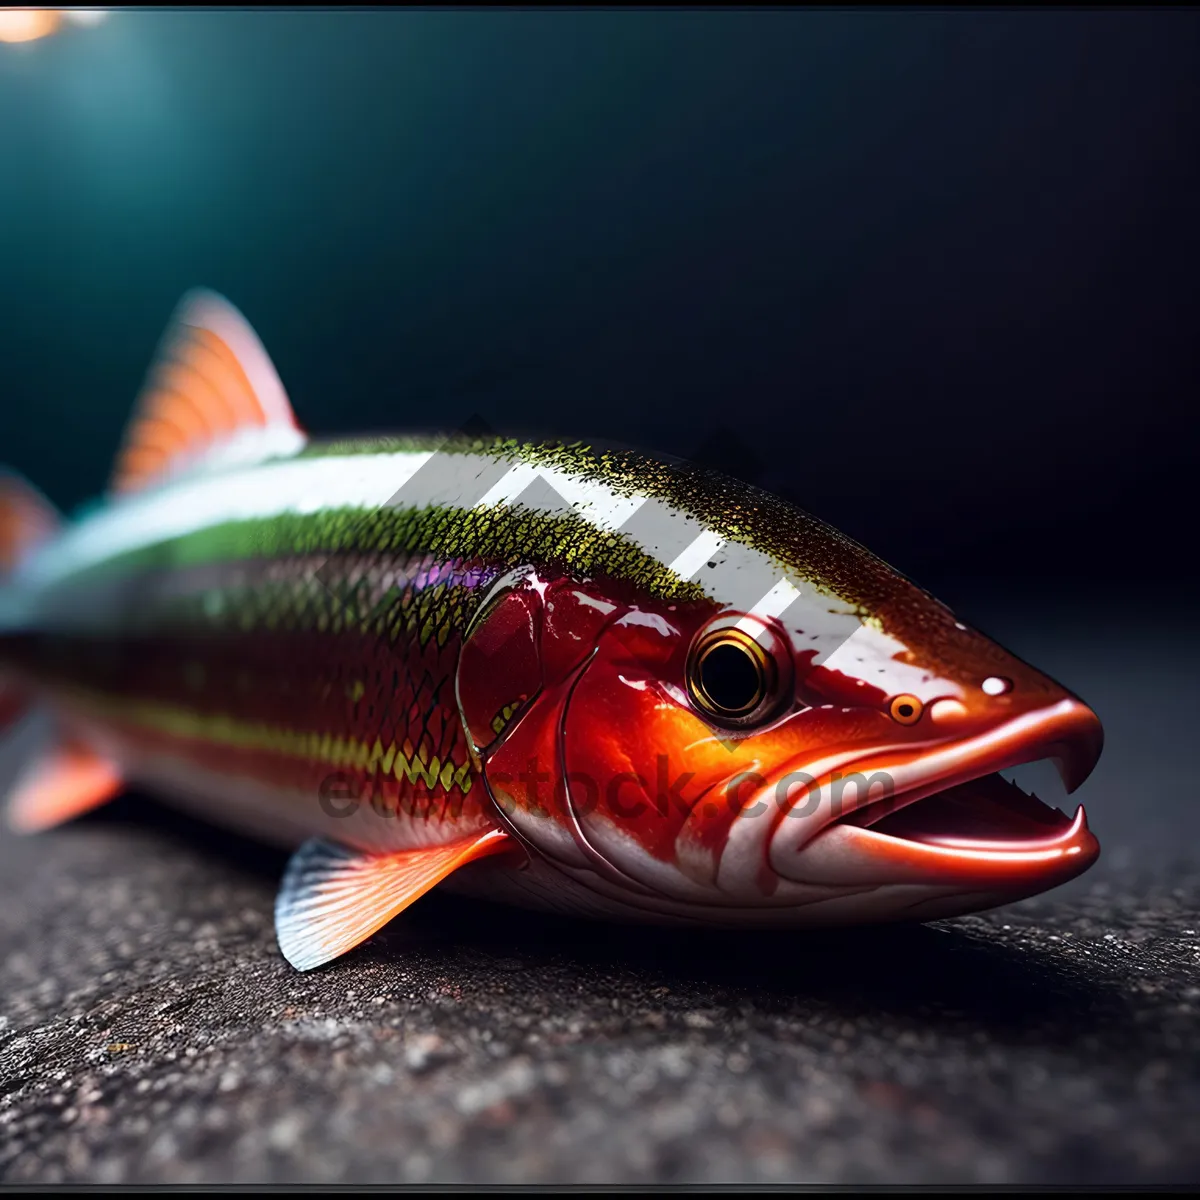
pixel 580 679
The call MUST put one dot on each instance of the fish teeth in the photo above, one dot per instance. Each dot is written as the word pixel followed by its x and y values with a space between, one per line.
pixel 1009 775
pixel 1036 780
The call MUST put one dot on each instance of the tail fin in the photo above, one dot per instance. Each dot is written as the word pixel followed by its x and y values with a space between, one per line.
pixel 27 520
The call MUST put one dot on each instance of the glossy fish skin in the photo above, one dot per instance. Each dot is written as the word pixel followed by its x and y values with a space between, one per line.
pixel 427 652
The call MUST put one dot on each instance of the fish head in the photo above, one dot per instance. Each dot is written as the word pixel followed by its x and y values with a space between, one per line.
pixel 786 752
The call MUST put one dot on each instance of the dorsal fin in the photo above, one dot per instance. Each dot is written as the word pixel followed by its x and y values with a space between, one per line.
pixel 212 394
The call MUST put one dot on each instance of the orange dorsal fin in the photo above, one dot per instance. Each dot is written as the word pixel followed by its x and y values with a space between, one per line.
pixel 62 783
pixel 212 394
pixel 332 898
pixel 27 519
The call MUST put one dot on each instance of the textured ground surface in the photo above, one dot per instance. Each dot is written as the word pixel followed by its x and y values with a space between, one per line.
pixel 150 1032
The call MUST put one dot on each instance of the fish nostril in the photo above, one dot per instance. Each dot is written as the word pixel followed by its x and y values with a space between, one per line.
pixel 997 685
pixel 944 711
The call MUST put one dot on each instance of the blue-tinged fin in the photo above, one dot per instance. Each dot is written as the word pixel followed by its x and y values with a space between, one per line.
pixel 212 398
pixel 332 898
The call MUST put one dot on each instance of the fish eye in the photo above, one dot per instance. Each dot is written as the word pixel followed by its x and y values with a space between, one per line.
pixel 906 709
pixel 732 678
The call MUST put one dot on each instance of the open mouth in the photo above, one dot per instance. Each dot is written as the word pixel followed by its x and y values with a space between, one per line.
pixel 954 817
pixel 989 812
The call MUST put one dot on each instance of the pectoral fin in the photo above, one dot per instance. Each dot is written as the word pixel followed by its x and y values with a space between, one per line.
pixel 62 783
pixel 333 898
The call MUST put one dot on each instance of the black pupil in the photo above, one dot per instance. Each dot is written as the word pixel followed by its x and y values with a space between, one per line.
pixel 905 710
pixel 730 678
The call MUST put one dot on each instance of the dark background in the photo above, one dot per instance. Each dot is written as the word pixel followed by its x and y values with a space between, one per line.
pixel 932 275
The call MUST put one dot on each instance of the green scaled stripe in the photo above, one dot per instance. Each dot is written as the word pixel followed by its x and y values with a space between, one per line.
pixel 509 535
pixel 798 542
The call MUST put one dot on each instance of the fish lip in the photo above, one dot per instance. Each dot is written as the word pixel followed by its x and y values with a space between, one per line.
pixel 1067 732
pixel 1005 871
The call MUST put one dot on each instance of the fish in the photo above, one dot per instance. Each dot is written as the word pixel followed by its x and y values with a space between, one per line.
pixel 549 674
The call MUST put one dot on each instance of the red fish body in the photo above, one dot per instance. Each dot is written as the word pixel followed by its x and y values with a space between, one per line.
pixel 556 676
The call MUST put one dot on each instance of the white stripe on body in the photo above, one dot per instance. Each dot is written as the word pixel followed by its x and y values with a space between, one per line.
pixel 742 576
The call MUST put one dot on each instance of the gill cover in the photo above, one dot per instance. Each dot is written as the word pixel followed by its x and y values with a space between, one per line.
pixel 522 655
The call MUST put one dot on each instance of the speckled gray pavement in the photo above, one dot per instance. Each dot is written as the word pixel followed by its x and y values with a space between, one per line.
pixel 150 1032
